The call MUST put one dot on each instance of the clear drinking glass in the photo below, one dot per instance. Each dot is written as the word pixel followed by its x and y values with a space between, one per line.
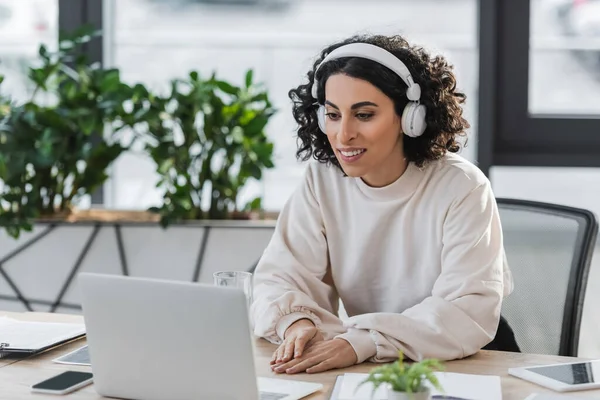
pixel 237 279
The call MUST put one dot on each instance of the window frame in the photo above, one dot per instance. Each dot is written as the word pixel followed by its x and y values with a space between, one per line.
pixel 509 135
pixel 72 15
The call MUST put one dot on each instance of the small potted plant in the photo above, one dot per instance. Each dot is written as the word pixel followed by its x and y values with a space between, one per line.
pixel 406 381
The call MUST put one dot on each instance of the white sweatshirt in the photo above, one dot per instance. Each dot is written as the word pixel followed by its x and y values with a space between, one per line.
pixel 419 264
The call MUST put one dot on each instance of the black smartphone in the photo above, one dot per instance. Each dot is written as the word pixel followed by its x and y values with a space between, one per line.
pixel 64 383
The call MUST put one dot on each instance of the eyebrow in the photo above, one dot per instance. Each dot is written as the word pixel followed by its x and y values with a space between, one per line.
pixel 354 106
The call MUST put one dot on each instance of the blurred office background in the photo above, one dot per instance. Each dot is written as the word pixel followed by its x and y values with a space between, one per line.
pixel 531 61
pixel 152 41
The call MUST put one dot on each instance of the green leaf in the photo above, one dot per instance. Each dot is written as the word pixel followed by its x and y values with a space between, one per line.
pixel 88 124
pixel 43 52
pixel 248 79
pixel 254 205
pixel 39 76
pixel 227 87
pixel 110 81
pixel 237 134
pixel 140 92
pixel 3 169
pixel 70 90
pixel 264 151
pixel 260 98
pixel 256 125
pixel 165 166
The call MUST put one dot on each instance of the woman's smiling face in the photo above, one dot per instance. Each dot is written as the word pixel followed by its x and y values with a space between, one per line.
pixel 364 130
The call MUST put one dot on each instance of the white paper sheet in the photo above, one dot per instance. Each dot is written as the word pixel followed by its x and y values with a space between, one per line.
pixel 466 386
pixel 551 396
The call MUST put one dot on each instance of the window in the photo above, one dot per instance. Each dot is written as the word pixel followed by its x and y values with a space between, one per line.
pixel 539 84
pixel 153 41
pixel 564 57
pixel 24 25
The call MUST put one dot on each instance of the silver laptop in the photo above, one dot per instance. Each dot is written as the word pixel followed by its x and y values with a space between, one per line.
pixel 152 339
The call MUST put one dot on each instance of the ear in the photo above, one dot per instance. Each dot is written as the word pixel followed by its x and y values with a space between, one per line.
pixel 398 120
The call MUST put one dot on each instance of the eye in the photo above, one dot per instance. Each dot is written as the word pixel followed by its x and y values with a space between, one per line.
pixel 364 116
pixel 332 116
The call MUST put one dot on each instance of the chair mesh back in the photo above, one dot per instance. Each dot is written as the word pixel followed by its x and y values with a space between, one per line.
pixel 540 249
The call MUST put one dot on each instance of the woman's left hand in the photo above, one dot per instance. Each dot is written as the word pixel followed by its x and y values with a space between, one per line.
pixel 320 357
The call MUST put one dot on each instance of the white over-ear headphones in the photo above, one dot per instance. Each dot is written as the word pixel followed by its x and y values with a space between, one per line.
pixel 413 116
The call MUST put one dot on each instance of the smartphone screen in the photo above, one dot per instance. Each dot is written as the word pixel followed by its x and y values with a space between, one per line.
pixel 63 381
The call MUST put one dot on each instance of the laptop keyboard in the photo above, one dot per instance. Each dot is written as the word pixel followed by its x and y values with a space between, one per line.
pixel 272 396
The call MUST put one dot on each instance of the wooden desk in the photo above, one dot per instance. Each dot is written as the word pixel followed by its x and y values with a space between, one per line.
pixel 17 377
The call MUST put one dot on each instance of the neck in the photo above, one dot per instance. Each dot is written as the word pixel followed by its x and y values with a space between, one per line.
pixel 389 171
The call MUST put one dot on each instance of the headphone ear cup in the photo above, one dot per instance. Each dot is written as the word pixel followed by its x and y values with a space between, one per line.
pixel 321 118
pixel 413 119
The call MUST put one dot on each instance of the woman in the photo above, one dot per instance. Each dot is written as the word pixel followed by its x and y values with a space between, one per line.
pixel 388 219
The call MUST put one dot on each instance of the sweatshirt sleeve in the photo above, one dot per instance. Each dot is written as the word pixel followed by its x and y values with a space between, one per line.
pixel 462 313
pixel 290 280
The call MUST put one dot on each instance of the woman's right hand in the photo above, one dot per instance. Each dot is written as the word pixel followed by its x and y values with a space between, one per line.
pixel 296 338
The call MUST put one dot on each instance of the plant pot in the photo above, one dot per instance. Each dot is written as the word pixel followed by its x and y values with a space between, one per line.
pixel 393 395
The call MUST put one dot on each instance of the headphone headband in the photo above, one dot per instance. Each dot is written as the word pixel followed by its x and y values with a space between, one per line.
pixel 379 55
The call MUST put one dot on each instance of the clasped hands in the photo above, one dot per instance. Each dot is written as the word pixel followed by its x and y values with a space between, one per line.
pixel 305 350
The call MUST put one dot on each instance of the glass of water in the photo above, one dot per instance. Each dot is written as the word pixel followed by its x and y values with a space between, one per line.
pixel 236 279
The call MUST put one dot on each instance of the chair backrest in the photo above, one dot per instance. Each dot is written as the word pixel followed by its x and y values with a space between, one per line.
pixel 549 249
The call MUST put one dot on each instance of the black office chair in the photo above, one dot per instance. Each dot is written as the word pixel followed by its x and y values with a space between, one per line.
pixel 549 249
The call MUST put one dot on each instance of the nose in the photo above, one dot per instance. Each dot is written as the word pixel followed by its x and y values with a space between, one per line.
pixel 346 132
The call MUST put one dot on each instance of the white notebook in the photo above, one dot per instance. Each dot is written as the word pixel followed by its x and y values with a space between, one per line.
pixel 28 337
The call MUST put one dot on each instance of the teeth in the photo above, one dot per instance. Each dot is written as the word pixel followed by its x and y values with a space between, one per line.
pixel 351 153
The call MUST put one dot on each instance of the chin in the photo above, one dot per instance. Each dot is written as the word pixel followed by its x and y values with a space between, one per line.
pixel 353 171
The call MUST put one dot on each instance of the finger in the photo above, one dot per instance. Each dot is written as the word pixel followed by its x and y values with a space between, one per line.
pixel 287 351
pixel 275 354
pixel 280 351
pixel 306 364
pixel 290 350
pixel 309 350
pixel 280 368
pixel 323 366
pixel 301 341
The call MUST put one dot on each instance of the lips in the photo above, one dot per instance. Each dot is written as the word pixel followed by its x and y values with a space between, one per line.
pixel 351 155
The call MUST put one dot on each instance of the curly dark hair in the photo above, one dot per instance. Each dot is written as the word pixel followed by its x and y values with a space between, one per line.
pixel 445 122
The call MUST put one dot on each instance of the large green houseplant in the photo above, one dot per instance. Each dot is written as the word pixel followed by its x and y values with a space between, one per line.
pixel 53 149
pixel 209 145
pixel 406 381
pixel 206 136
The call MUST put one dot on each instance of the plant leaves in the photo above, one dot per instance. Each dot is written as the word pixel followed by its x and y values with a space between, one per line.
pixel 403 377
pixel 227 87
pixel 249 76
pixel 256 125
pixel 110 80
